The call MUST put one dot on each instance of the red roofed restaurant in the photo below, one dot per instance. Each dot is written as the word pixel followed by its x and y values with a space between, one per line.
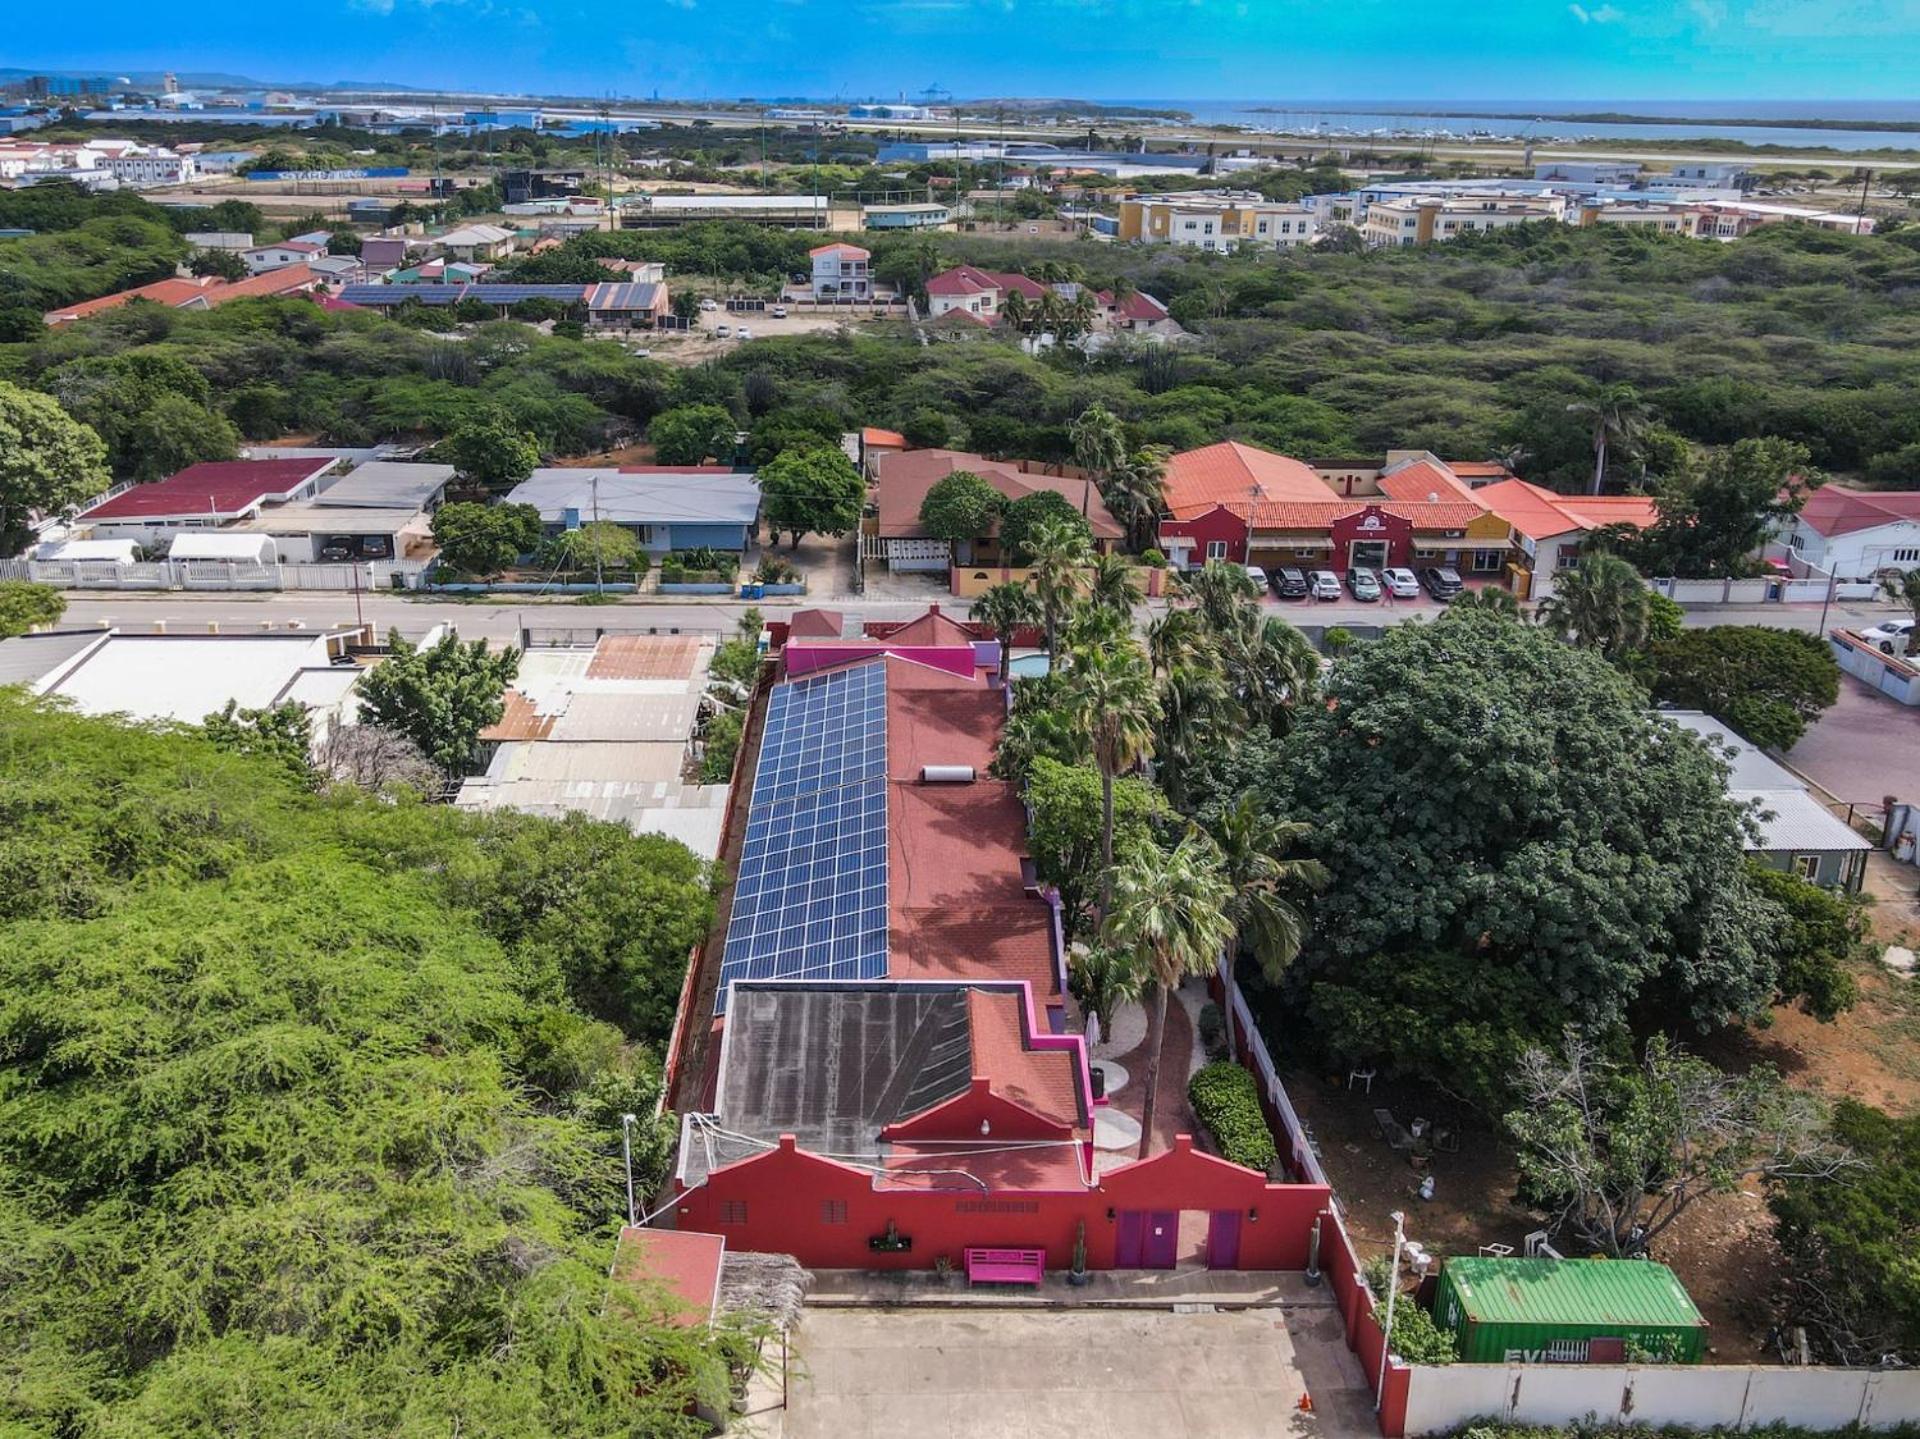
pixel 880 1066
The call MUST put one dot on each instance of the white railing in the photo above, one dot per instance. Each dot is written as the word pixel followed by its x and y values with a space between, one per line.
pixel 1304 1160
pixel 212 575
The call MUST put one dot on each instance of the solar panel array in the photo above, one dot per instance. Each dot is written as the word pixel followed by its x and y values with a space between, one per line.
pixel 810 901
pixel 430 293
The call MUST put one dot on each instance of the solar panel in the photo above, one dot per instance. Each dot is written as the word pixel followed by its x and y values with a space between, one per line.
pixel 810 900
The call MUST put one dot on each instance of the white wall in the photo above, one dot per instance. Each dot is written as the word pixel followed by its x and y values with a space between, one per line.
pixel 1703 1396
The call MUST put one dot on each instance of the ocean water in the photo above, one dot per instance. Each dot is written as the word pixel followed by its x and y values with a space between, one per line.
pixel 1460 120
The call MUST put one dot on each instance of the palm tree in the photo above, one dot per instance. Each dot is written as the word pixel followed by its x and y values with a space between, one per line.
pixel 1197 709
pixel 1177 637
pixel 1111 691
pixel 1093 626
pixel 1057 551
pixel 1253 847
pixel 1006 606
pixel 1102 979
pixel 1617 417
pixel 1136 492
pixel 1017 312
pixel 1223 592
pixel 1490 599
pixel 1274 669
pixel 1170 911
pixel 1099 444
pixel 1115 585
pixel 1079 314
pixel 1601 605
pixel 1904 589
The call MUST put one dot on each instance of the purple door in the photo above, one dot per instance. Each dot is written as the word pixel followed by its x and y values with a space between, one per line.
pixel 1146 1239
pixel 1223 1239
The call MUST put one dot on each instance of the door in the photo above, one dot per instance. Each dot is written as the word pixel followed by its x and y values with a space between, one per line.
pixel 1129 1243
pixel 1146 1239
pixel 1223 1239
pixel 1367 554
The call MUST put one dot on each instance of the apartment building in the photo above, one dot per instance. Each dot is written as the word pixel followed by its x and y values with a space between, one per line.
pixel 1423 221
pixel 1667 219
pixel 150 167
pixel 1215 220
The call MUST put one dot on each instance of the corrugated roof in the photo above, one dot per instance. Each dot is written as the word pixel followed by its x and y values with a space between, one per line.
pixel 223 488
pixel 687 1263
pixel 703 496
pixel 1572 1291
pixel 387 485
pixel 1837 510
pixel 27 659
pixel 1791 820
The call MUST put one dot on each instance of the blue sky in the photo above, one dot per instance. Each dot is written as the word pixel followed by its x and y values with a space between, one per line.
pixel 1278 49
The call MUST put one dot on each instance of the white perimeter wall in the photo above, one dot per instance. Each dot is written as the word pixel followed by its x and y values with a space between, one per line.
pixel 1703 1396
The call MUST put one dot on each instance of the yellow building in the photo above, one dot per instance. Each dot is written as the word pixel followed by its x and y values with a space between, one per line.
pixel 1215 220
pixel 1424 220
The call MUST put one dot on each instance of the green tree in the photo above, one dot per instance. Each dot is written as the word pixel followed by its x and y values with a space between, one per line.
pixel 1008 606
pixel 1113 584
pixel 1266 883
pixel 1068 834
pixel 813 491
pixel 344 242
pixel 1849 1240
pixel 491 450
pixel 1102 979
pixel 480 539
pixel 693 435
pixel 1617 1152
pixel 960 508
pixel 282 733
pixel 1822 935
pixel 222 263
pixel 1110 691
pixel 1099 443
pixel 48 462
pixel 1135 491
pixel 1602 606
pixel 1226 595
pixel 439 696
pixel 26 606
pixel 1028 515
pixel 1057 551
pixel 1767 684
pixel 686 305
pixel 1169 912
pixel 596 546
pixel 1904 589
pixel 928 429
pixel 152 409
pixel 1492 599
pixel 1713 522
pixel 1615 418
pixel 1198 716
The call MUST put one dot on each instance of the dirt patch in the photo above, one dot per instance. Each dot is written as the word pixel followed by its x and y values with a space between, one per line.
pixel 1870 1053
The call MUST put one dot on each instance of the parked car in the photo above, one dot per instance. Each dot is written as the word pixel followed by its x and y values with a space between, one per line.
pixel 1442 584
pixel 336 551
pixel 1364 583
pixel 1400 584
pixel 1890 636
pixel 725 332
pixel 779 312
pixel 1291 585
pixel 1258 576
pixel 743 333
pixel 1325 583
pixel 709 304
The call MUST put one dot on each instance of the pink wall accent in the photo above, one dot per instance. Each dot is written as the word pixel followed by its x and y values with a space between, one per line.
pixel 804 657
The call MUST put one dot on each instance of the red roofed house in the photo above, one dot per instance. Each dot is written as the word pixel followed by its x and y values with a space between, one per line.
pixel 1549 528
pixel 201 293
pixel 881 1069
pixel 841 272
pixel 976 292
pixel 1857 534
pixel 1245 505
pixel 203 496
pixel 903 479
pixel 1136 311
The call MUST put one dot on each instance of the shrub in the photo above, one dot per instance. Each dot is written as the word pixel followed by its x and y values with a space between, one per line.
pixel 1213 1031
pixel 722 744
pixel 1337 641
pixel 776 570
pixel 1225 1099
pixel 1153 559
pixel 736 660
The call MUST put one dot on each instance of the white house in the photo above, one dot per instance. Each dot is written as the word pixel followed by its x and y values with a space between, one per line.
pixel 150 167
pixel 841 272
pixel 262 258
pixel 1857 534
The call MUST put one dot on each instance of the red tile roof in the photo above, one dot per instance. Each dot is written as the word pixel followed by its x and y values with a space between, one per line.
pixel 905 478
pixel 816 625
pixel 971 280
pixel 1137 306
pixel 204 291
pixel 840 247
pixel 1837 510
pixel 932 628
pixel 1540 514
pixel 1417 479
pixel 1231 473
pixel 1046 1081
pixel 224 489
pixel 875 438
pixel 686 1262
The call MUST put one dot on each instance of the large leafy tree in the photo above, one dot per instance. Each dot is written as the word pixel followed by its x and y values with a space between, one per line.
pixel 1767 684
pixel 960 508
pixel 153 410
pixel 693 435
pixel 1068 834
pixel 595 547
pixel 1475 787
pixel 282 733
pixel 1602 606
pixel 491 450
pixel 482 539
pixel 1620 1151
pixel 1715 518
pixel 811 491
pixel 1850 1240
pixel 48 461
pixel 1027 516
pixel 439 696
pixel 1170 912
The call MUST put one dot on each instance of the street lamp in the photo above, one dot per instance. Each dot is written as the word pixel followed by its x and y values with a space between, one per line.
pixel 1393 1288
pixel 627 1121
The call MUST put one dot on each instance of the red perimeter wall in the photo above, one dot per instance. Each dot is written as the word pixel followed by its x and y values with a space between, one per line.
pixel 824 1212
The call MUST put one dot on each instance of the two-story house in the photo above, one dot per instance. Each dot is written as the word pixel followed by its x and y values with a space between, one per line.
pixel 841 272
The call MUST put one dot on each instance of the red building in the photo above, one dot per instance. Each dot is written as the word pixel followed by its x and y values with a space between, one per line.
pixel 890 1071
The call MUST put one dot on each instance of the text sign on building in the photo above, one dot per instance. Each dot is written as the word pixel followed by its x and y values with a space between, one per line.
pixel 384 172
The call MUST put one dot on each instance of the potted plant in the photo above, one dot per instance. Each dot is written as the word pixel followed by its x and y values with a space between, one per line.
pixel 1077 1276
pixel 892 1242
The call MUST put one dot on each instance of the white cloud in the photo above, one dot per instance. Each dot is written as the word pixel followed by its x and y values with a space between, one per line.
pixel 1710 13
pixel 1579 12
pixel 1605 15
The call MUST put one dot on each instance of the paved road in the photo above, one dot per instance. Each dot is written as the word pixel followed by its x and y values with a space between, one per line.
pixel 503 620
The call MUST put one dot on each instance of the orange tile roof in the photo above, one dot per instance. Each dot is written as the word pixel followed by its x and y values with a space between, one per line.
pixel 170 292
pixel 1540 514
pixel 1232 473
pixel 1046 1081
pixel 816 625
pixel 873 435
pixel 904 479
pixel 1417 479
pixel 519 720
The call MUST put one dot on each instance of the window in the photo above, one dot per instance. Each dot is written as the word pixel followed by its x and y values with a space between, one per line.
pixel 1807 866
pixel 1216 549
pixel 733 1211
pixel 1487 561
pixel 833 1211
pixel 1568 557
pixel 1799 542
pixel 1306 554
pixel 1906 557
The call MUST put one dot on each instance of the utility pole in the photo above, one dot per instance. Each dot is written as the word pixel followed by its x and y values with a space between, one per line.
pixel 1860 215
pixel 627 1122
pixel 599 570
pixel 1393 1288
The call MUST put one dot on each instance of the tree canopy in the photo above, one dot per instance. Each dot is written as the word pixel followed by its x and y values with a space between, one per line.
pixel 298 1118
pixel 440 696
pixel 1029 515
pixel 26 606
pixel 1767 684
pixel 490 449
pixel 811 491
pixel 693 435
pixel 960 507
pixel 48 461
pixel 481 539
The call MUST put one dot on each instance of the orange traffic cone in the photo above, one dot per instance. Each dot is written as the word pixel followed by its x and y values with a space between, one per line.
pixel 1306 1403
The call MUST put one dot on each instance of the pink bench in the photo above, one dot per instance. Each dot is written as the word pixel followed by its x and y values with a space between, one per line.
pixel 1006 1266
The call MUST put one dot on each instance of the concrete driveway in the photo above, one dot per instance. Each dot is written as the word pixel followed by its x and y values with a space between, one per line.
pixel 932 1373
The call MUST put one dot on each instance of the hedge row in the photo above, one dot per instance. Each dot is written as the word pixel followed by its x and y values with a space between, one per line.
pixel 1225 1099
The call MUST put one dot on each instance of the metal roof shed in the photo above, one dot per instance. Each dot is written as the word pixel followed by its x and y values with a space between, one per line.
pixel 1567 1311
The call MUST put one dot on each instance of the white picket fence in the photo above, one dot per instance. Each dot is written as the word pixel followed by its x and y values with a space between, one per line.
pixel 213 575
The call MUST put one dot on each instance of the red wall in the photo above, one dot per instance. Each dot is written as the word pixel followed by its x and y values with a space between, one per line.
pixel 785 1191
pixel 809 655
pixel 1373 523
pixel 1215 524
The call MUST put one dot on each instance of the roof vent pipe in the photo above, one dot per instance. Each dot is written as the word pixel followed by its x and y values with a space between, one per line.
pixel 946 774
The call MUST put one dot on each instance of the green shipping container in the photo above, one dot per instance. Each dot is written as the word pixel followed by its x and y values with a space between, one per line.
pixel 1567 1311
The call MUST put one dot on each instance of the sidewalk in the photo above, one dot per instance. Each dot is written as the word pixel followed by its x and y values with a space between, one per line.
pixel 1104 1289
